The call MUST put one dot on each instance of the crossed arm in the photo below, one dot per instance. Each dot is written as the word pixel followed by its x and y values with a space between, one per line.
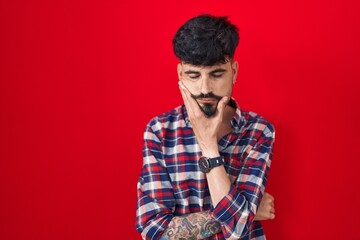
pixel 201 225
pixel 191 226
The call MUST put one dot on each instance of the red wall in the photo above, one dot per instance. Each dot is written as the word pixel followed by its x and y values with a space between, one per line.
pixel 80 80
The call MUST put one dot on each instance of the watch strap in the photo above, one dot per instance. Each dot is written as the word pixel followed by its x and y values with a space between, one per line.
pixel 216 161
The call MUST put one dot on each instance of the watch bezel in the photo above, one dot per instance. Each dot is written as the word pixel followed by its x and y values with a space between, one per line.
pixel 205 168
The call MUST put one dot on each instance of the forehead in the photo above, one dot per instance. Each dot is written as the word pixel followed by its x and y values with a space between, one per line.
pixel 187 66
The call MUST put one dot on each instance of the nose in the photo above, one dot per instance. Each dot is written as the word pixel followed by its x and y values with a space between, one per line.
pixel 205 85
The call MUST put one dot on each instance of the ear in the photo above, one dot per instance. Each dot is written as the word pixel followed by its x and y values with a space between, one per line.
pixel 235 69
pixel 179 71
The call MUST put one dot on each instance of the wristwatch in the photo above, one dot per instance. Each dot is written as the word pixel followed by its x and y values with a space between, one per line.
pixel 206 164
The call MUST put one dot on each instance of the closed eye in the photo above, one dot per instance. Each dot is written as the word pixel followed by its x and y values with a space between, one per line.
pixel 217 75
pixel 194 76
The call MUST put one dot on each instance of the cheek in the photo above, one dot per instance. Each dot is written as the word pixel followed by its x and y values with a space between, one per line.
pixel 191 86
pixel 225 89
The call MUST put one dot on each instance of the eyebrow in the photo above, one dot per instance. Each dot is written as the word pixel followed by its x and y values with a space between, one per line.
pixel 192 72
pixel 211 72
pixel 218 70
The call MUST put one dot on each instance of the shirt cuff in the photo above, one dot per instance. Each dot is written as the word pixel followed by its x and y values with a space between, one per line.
pixel 228 206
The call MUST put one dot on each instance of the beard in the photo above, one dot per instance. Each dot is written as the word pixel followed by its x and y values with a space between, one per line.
pixel 208 109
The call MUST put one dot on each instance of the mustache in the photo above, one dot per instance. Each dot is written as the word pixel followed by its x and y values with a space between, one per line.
pixel 207 95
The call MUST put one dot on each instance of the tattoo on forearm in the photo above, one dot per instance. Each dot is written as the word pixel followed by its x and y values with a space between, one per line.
pixel 191 226
pixel 187 224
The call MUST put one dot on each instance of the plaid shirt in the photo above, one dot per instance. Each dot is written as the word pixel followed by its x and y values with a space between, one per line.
pixel 171 183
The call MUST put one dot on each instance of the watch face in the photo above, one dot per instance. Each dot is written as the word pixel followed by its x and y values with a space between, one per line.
pixel 204 164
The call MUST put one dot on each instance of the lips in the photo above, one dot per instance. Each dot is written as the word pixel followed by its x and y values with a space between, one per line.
pixel 207 100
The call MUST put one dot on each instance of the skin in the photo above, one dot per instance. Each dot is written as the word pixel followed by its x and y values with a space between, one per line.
pixel 218 79
pixel 266 209
pixel 191 226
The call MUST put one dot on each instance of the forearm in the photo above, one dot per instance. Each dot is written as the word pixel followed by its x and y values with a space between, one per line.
pixel 217 179
pixel 198 225
pixel 219 184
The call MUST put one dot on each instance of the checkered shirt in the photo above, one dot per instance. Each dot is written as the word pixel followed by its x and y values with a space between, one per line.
pixel 171 183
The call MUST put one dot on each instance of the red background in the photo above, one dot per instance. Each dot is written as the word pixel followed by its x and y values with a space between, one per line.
pixel 80 80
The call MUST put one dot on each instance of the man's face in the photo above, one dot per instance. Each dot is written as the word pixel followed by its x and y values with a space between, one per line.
pixel 208 84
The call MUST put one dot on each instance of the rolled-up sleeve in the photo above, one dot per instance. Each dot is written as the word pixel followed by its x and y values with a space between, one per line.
pixel 155 198
pixel 237 210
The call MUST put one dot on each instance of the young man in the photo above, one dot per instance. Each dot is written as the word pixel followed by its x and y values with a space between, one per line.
pixel 206 163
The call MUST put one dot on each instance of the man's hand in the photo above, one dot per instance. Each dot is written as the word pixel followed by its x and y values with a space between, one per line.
pixel 205 129
pixel 266 209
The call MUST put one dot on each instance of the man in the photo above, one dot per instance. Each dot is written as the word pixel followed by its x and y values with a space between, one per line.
pixel 206 163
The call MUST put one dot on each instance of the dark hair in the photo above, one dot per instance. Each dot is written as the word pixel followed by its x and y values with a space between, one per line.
pixel 206 40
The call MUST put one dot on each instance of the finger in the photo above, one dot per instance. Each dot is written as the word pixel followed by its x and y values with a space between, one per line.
pixel 191 109
pixel 272 210
pixel 269 213
pixel 187 105
pixel 270 196
pixel 189 99
pixel 221 106
pixel 269 200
